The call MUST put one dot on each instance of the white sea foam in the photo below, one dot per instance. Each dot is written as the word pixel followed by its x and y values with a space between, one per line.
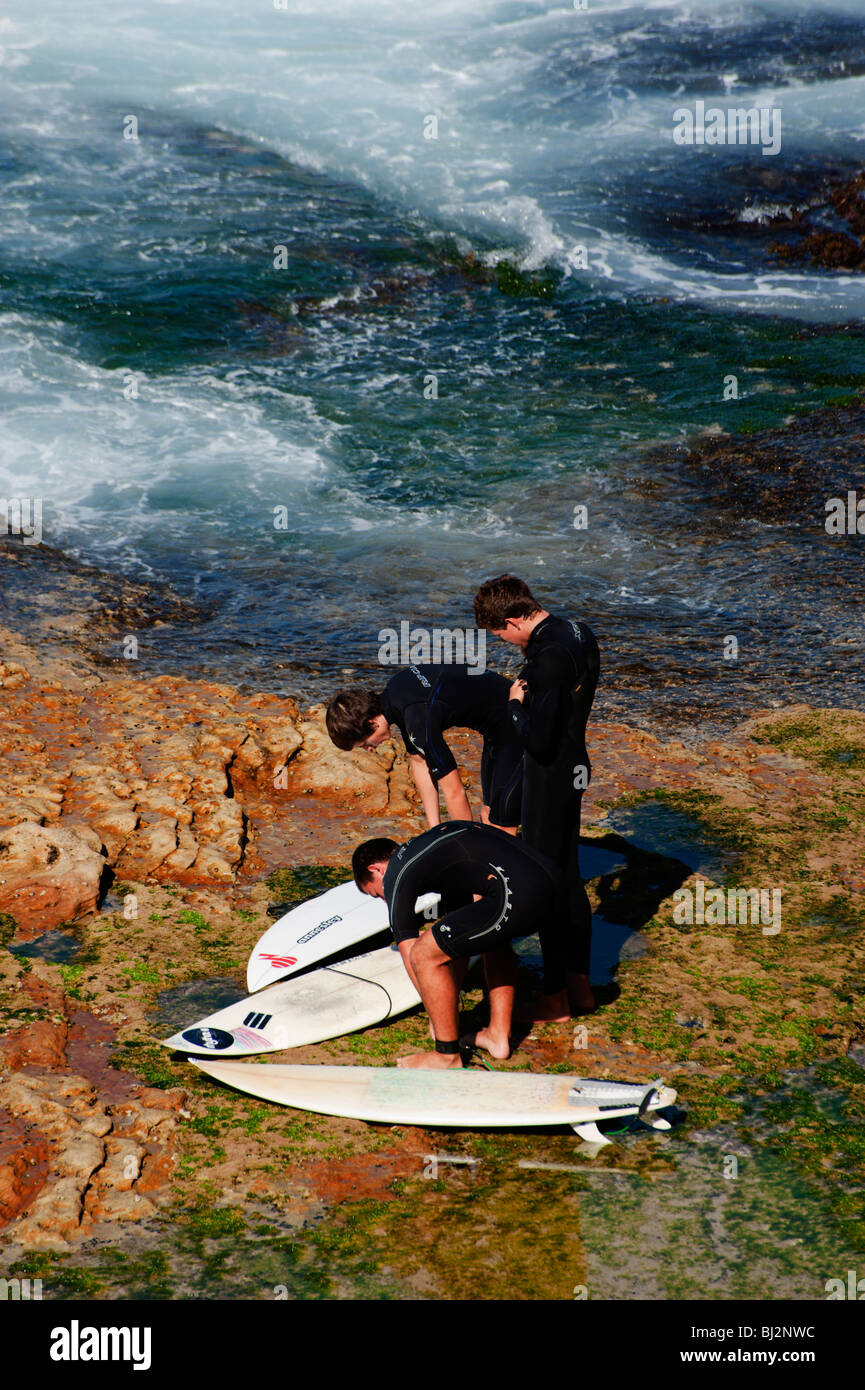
pixel 539 110
pixel 186 444
pixel 530 105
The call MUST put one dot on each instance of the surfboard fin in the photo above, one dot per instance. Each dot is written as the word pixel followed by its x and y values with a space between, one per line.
pixel 590 1132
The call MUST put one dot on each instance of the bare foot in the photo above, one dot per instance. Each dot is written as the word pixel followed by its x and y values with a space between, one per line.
pixel 432 1061
pixel 580 995
pixel 547 1008
pixel 493 1043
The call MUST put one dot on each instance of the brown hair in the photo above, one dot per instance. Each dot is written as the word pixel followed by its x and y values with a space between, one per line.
pixel 370 852
pixel 503 598
pixel 350 716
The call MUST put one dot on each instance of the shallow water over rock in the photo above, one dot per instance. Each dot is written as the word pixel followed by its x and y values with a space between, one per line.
pixel 56 945
pixel 183 1005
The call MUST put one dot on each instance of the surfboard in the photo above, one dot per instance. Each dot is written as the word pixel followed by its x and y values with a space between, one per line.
pixel 314 930
pixel 326 1003
pixel 461 1098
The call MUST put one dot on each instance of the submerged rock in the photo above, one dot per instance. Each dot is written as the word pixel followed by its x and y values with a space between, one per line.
pixel 829 231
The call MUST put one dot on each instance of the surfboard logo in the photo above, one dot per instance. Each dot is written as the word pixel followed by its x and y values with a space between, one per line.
pixel 301 940
pixel 254 1020
pixel 247 1038
pixel 214 1039
pixel 279 962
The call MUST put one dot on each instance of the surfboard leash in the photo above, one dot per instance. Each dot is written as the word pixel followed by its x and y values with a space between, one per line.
pixel 468 1050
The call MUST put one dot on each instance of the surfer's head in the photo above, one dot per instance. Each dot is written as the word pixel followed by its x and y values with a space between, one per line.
pixel 507 608
pixel 369 863
pixel 354 717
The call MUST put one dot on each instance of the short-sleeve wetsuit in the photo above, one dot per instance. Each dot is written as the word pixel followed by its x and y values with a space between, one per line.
pixel 458 860
pixel 424 701
pixel 561 670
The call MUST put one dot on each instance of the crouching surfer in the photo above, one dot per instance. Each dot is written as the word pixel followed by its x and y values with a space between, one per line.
pixel 492 889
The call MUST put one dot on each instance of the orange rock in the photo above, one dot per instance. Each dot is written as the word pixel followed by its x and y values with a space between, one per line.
pixel 40 1044
pixel 157 1171
pixel 48 875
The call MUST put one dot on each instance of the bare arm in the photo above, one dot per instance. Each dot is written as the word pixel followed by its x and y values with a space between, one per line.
pixel 427 789
pixel 455 797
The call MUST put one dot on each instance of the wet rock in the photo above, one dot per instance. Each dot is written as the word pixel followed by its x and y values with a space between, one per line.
pixel 12 675
pixel 47 875
pixel 40 1044
pixel 157 1171
pixel 23 1166
pixel 53 1217
pixel 98 1155
pixel 174 780
pixel 77 1136
pixel 117 1206
pixel 831 250
pixel 321 768
pixel 353 1179
pixel 810 235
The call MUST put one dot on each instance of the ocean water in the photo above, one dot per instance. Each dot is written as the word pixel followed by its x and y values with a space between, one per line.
pixel 325 374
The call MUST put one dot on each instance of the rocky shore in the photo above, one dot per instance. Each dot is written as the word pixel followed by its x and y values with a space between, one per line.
pixel 145 822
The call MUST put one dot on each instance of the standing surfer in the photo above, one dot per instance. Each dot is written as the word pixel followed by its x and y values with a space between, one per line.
pixel 549 706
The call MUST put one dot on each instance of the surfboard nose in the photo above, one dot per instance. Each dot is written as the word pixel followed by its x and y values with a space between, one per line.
pixel 266 967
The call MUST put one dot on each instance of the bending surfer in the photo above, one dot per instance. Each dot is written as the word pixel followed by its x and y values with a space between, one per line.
pixel 423 702
pixel 549 707
pixel 493 889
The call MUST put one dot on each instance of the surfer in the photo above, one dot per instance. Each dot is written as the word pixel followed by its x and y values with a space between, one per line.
pixel 492 889
pixel 423 702
pixel 549 706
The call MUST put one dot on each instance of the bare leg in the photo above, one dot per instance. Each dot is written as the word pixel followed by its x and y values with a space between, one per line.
pixel 500 968
pixel 438 986
pixel 459 966
pixel 459 972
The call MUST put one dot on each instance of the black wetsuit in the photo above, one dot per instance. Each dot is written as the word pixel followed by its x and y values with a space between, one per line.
pixel 517 887
pixel 561 671
pixel 424 701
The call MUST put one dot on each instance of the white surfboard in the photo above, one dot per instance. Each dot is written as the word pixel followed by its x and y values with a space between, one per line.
pixel 314 930
pixel 467 1099
pixel 326 1003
